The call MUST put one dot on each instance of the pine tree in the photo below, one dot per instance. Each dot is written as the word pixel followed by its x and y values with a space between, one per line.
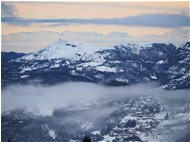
pixel 167 116
pixel 86 139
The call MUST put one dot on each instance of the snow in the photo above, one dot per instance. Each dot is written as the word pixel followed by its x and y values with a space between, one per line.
pixel 64 49
pixel 168 122
pixel 181 118
pixel 26 69
pixel 160 62
pixel 24 76
pixel 73 72
pixel 122 80
pixel 153 77
pixel 73 141
pixel 105 69
pixel 164 86
pixel 86 126
pixel 87 64
pixel 52 134
pixel 96 133
pixel 108 138
pixel 127 118
pixel 183 115
pixel 160 116
pixel 55 66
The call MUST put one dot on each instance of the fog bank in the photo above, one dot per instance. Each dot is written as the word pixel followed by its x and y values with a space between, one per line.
pixel 44 100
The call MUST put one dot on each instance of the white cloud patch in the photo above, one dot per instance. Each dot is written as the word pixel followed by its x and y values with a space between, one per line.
pixel 34 41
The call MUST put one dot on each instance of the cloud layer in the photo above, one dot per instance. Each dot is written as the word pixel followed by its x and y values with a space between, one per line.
pixel 152 20
pixel 34 41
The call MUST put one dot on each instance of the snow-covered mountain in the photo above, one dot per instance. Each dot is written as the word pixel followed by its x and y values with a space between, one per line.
pixel 116 65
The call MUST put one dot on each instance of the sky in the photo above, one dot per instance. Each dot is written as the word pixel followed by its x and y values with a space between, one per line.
pixel 140 21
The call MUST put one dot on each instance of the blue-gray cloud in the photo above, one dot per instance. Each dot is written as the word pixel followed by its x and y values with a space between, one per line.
pixel 153 20
pixel 8 10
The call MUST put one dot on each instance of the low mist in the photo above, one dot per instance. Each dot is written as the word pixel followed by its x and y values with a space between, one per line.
pixel 44 100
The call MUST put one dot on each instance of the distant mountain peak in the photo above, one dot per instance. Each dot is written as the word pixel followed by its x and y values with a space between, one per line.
pixel 63 49
pixel 58 49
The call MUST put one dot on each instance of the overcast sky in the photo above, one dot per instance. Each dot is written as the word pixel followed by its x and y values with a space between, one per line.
pixel 139 20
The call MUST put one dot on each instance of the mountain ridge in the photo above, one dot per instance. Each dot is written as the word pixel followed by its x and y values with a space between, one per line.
pixel 122 64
